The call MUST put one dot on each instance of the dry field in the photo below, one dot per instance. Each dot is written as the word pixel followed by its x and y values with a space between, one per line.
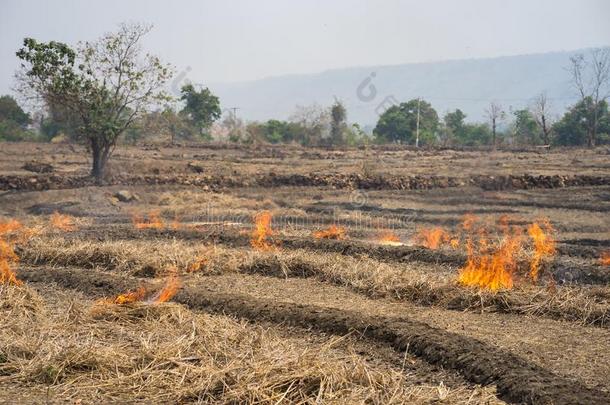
pixel 287 275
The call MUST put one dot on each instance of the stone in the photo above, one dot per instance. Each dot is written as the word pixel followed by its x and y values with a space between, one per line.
pixel 126 196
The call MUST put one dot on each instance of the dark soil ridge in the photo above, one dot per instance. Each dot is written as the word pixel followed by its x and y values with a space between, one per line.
pixel 565 270
pixel 421 293
pixel 447 297
pixel 336 180
pixel 516 379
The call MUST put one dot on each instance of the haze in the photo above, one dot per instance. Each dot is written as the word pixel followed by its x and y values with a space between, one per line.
pixel 242 40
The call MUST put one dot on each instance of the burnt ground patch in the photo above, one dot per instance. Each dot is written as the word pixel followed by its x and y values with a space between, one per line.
pixel 517 379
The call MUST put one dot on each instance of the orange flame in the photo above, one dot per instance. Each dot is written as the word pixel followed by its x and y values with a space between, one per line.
pixel 130 296
pixel 262 231
pixel 8 257
pixel 432 238
pixel 332 232
pixel 388 237
pixel 544 245
pixel 171 287
pixel 62 222
pixel 605 258
pixel 491 269
pixel 154 221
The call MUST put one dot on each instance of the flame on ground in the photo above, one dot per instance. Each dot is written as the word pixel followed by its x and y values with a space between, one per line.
pixel 491 267
pixel 11 232
pixel 153 221
pixel 432 238
pixel 262 231
pixel 171 287
pixel 605 258
pixel 544 245
pixel 493 263
pixel 130 297
pixel 332 232
pixel 62 222
pixel 388 237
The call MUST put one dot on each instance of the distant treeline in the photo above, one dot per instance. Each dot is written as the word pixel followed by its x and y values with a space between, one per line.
pixel 317 126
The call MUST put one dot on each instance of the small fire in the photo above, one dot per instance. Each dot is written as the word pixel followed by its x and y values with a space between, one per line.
pixel 332 232
pixel 388 237
pixel 171 287
pixel 432 238
pixel 130 296
pixel 493 262
pixel 154 221
pixel 605 258
pixel 262 231
pixel 11 232
pixel 544 245
pixel 62 222
pixel 488 266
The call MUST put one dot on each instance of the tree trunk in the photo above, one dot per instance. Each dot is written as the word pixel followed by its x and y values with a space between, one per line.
pixel 493 133
pixel 99 154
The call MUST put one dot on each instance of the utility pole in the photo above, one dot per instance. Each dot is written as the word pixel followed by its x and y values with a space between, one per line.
pixel 417 125
pixel 234 112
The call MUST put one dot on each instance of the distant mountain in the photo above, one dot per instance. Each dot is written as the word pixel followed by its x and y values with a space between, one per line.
pixel 466 84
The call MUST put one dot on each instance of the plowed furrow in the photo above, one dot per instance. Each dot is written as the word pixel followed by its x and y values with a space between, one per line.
pixel 517 379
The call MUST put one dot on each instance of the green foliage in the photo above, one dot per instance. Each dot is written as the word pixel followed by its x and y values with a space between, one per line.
pixel 11 111
pixel 13 121
pixel 399 122
pixel 338 125
pixel 475 135
pixel 573 128
pixel 103 87
pixel 201 107
pixel 453 127
pixel 525 128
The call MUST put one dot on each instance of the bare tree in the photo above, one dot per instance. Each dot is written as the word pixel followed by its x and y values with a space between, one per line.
pixel 591 78
pixel 495 114
pixel 540 111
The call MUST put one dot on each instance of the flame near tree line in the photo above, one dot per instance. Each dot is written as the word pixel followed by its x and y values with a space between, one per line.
pixel 605 258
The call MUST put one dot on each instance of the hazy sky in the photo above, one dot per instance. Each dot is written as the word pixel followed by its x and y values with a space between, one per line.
pixel 241 40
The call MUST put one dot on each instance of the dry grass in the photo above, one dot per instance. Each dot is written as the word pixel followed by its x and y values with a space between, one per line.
pixel 166 353
pixel 423 284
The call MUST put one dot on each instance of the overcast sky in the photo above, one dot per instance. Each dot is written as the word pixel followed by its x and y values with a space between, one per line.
pixel 241 40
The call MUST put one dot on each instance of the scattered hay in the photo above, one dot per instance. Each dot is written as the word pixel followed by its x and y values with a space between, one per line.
pixel 166 353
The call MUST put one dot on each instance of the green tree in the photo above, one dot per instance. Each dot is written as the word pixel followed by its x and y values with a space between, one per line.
pixel 591 78
pixel 573 128
pixel 201 107
pixel 11 111
pixel 103 86
pixel 399 123
pixel 475 135
pixel 453 126
pixel 338 125
pixel 13 120
pixel 525 128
